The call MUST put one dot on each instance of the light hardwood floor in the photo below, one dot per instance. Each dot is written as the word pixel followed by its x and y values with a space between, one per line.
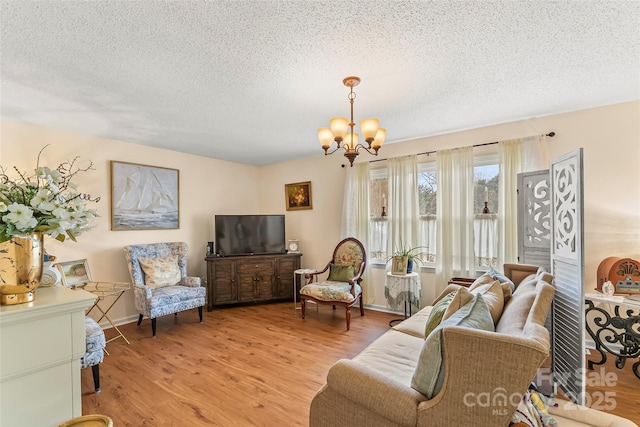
pixel 244 366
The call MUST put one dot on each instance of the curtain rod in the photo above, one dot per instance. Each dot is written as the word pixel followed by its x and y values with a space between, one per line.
pixel 550 135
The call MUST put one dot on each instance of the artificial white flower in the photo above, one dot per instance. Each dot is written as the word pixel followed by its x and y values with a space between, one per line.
pixel 45 201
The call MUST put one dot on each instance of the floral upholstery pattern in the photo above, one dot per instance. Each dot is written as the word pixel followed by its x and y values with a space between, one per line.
pixel 160 272
pixel 150 302
pixel 349 253
pixel 331 291
pixel 343 285
pixel 95 343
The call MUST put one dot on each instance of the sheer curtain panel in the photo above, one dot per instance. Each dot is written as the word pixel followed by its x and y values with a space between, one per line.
pixel 355 218
pixel 454 170
pixel 404 211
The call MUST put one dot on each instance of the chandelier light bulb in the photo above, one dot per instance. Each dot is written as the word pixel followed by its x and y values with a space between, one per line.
pixel 341 130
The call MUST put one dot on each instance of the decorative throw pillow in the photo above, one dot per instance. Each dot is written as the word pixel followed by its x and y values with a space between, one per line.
pixel 160 272
pixel 501 277
pixel 482 280
pixel 487 279
pixel 462 298
pixel 494 298
pixel 340 273
pixel 438 310
pixel 428 377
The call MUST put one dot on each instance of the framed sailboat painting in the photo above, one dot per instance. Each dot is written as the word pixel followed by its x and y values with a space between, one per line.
pixel 144 197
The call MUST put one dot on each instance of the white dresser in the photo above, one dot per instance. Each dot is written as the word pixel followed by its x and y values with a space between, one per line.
pixel 41 344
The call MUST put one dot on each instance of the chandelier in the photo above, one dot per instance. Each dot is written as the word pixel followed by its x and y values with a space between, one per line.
pixel 346 138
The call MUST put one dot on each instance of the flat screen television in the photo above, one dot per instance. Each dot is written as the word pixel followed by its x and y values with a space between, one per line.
pixel 249 234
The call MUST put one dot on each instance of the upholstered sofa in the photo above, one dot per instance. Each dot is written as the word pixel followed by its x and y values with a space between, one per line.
pixel 484 373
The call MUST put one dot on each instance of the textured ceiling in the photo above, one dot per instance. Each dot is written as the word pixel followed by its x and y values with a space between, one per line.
pixel 251 81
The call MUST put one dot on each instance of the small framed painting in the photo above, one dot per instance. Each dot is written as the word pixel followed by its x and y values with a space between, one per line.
pixel 74 273
pixel 298 196
pixel 144 197
pixel 399 265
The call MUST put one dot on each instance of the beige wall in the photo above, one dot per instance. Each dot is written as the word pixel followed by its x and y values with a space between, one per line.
pixel 207 187
pixel 609 135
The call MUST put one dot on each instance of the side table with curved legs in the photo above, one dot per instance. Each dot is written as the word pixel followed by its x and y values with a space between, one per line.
pixel 617 330
pixel 103 290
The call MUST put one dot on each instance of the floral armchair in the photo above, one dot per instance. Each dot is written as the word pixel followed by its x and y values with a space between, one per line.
pixel 160 282
pixel 342 286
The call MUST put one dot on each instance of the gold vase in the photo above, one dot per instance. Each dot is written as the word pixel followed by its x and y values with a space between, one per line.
pixel 21 261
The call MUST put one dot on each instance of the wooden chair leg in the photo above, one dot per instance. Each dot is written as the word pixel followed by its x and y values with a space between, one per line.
pixel 361 306
pixel 200 313
pixel 139 319
pixel 348 316
pixel 95 369
pixel 153 327
pixel 303 306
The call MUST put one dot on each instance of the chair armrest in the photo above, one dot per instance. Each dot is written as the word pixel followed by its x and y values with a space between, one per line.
pixel 313 276
pixel 142 290
pixel 374 391
pixel 514 361
pixel 193 282
pixel 462 281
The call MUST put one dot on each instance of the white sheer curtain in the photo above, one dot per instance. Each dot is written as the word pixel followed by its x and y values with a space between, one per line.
pixel 355 217
pixel 516 156
pixel 455 217
pixel 403 217
pixel 510 166
pixel 534 153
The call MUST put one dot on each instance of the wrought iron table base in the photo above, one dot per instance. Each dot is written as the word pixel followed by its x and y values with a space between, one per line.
pixel 391 322
pixel 615 329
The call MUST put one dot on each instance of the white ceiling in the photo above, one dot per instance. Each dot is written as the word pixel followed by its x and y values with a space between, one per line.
pixel 251 81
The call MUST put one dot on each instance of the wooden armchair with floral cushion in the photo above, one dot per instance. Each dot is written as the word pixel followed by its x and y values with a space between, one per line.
pixel 160 282
pixel 342 285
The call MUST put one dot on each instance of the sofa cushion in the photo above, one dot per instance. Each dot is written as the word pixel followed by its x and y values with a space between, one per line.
pixel 495 274
pixel 160 272
pixel 414 325
pixel 430 369
pixel 461 298
pixel 437 313
pixel 493 296
pixel 487 279
pixel 450 288
pixel 394 355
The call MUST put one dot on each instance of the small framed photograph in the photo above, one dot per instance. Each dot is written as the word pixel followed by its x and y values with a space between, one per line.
pixel 74 273
pixel 399 265
pixel 298 196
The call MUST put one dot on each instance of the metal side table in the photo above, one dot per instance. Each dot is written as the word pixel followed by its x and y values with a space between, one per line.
pixel 614 330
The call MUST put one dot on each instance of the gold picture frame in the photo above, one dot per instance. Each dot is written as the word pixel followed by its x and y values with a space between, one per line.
pixel 399 265
pixel 74 273
pixel 298 196
pixel 144 197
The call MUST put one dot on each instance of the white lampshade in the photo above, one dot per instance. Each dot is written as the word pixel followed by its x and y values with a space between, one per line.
pixel 369 127
pixel 379 139
pixel 350 144
pixel 339 127
pixel 326 137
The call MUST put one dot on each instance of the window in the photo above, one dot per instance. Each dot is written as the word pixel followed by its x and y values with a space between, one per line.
pixel 486 181
pixel 485 225
pixel 427 191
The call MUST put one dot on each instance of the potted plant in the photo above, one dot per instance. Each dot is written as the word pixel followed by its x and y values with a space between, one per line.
pixel 412 255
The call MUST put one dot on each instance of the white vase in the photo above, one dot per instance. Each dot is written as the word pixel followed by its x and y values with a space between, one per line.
pixel 608 289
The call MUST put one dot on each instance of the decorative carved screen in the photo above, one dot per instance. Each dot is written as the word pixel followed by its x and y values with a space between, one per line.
pixel 534 219
pixel 567 267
